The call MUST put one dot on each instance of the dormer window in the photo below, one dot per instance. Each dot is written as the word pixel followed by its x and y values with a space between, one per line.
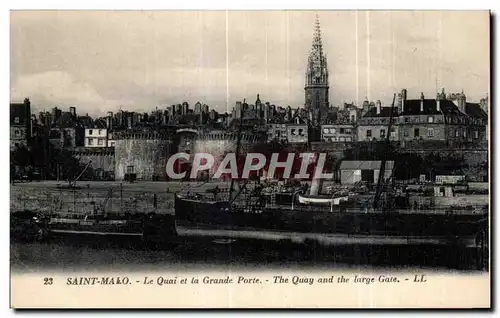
pixel 16 120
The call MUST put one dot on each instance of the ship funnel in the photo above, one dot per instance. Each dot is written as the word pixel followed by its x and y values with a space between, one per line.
pixel 316 185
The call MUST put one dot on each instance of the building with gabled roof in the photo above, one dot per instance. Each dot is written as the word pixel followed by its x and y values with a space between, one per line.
pixel 450 119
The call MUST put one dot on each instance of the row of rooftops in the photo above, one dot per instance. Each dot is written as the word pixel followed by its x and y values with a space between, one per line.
pixel 422 106
pixel 20 112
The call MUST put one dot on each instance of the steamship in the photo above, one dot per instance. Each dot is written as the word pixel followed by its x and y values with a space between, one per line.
pixel 309 218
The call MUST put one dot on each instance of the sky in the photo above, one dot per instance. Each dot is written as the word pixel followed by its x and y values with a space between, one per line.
pixel 103 61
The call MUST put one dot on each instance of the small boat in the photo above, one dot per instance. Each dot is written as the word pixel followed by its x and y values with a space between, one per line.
pixel 322 199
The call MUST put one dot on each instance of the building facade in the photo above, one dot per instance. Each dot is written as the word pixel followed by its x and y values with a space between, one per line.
pixel 97 135
pixel 277 132
pixel 20 124
pixel 374 124
pixel 297 133
pixel 338 133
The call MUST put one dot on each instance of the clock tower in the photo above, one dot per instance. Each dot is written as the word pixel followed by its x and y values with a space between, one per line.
pixel 316 86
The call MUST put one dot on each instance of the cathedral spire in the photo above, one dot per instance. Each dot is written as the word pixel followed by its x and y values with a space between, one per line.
pixel 317 69
pixel 316 81
pixel 317 44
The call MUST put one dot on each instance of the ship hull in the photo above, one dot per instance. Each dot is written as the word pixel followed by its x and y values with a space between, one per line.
pixel 153 229
pixel 342 226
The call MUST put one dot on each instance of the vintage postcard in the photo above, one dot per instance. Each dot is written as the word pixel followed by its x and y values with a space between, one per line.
pixel 250 159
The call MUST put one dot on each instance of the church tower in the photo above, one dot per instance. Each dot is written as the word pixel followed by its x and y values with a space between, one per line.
pixel 316 88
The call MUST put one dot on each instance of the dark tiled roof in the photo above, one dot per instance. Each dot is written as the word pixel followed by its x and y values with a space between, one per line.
pixel 66 121
pixel 100 124
pixel 413 107
pixel 85 121
pixel 19 110
pixel 475 110
pixel 448 107
pixel 385 111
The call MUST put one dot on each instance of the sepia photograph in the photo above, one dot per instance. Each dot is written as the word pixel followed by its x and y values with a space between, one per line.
pixel 204 153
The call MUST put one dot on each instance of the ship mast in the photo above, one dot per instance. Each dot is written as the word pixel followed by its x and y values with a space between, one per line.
pixel 238 144
pixel 381 174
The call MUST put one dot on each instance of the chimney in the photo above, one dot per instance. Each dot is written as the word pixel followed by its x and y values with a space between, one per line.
pixel 165 117
pixel 379 106
pixel 421 102
pixel 72 110
pixel 129 122
pixel 55 114
pixel 462 99
pixel 403 100
pixel 109 120
pixel 366 107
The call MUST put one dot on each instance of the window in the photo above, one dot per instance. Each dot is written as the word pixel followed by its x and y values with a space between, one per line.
pixel 407 120
pixel 430 132
pixel 16 120
pixel 17 132
pixel 465 132
pixel 406 133
pixel 457 132
pixel 325 130
pixel 90 131
pixel 476 134
pixel 348 131
pixel 91 141
pixel 342 130
pixel 130 169
pixel 99 142
pixel 333 130
pixel 112 144
pixel 430 119
pixel 353 118
pixel 369 133
pixel 99 132
pixel 416 132
pixel 382 133
pixel 393 132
